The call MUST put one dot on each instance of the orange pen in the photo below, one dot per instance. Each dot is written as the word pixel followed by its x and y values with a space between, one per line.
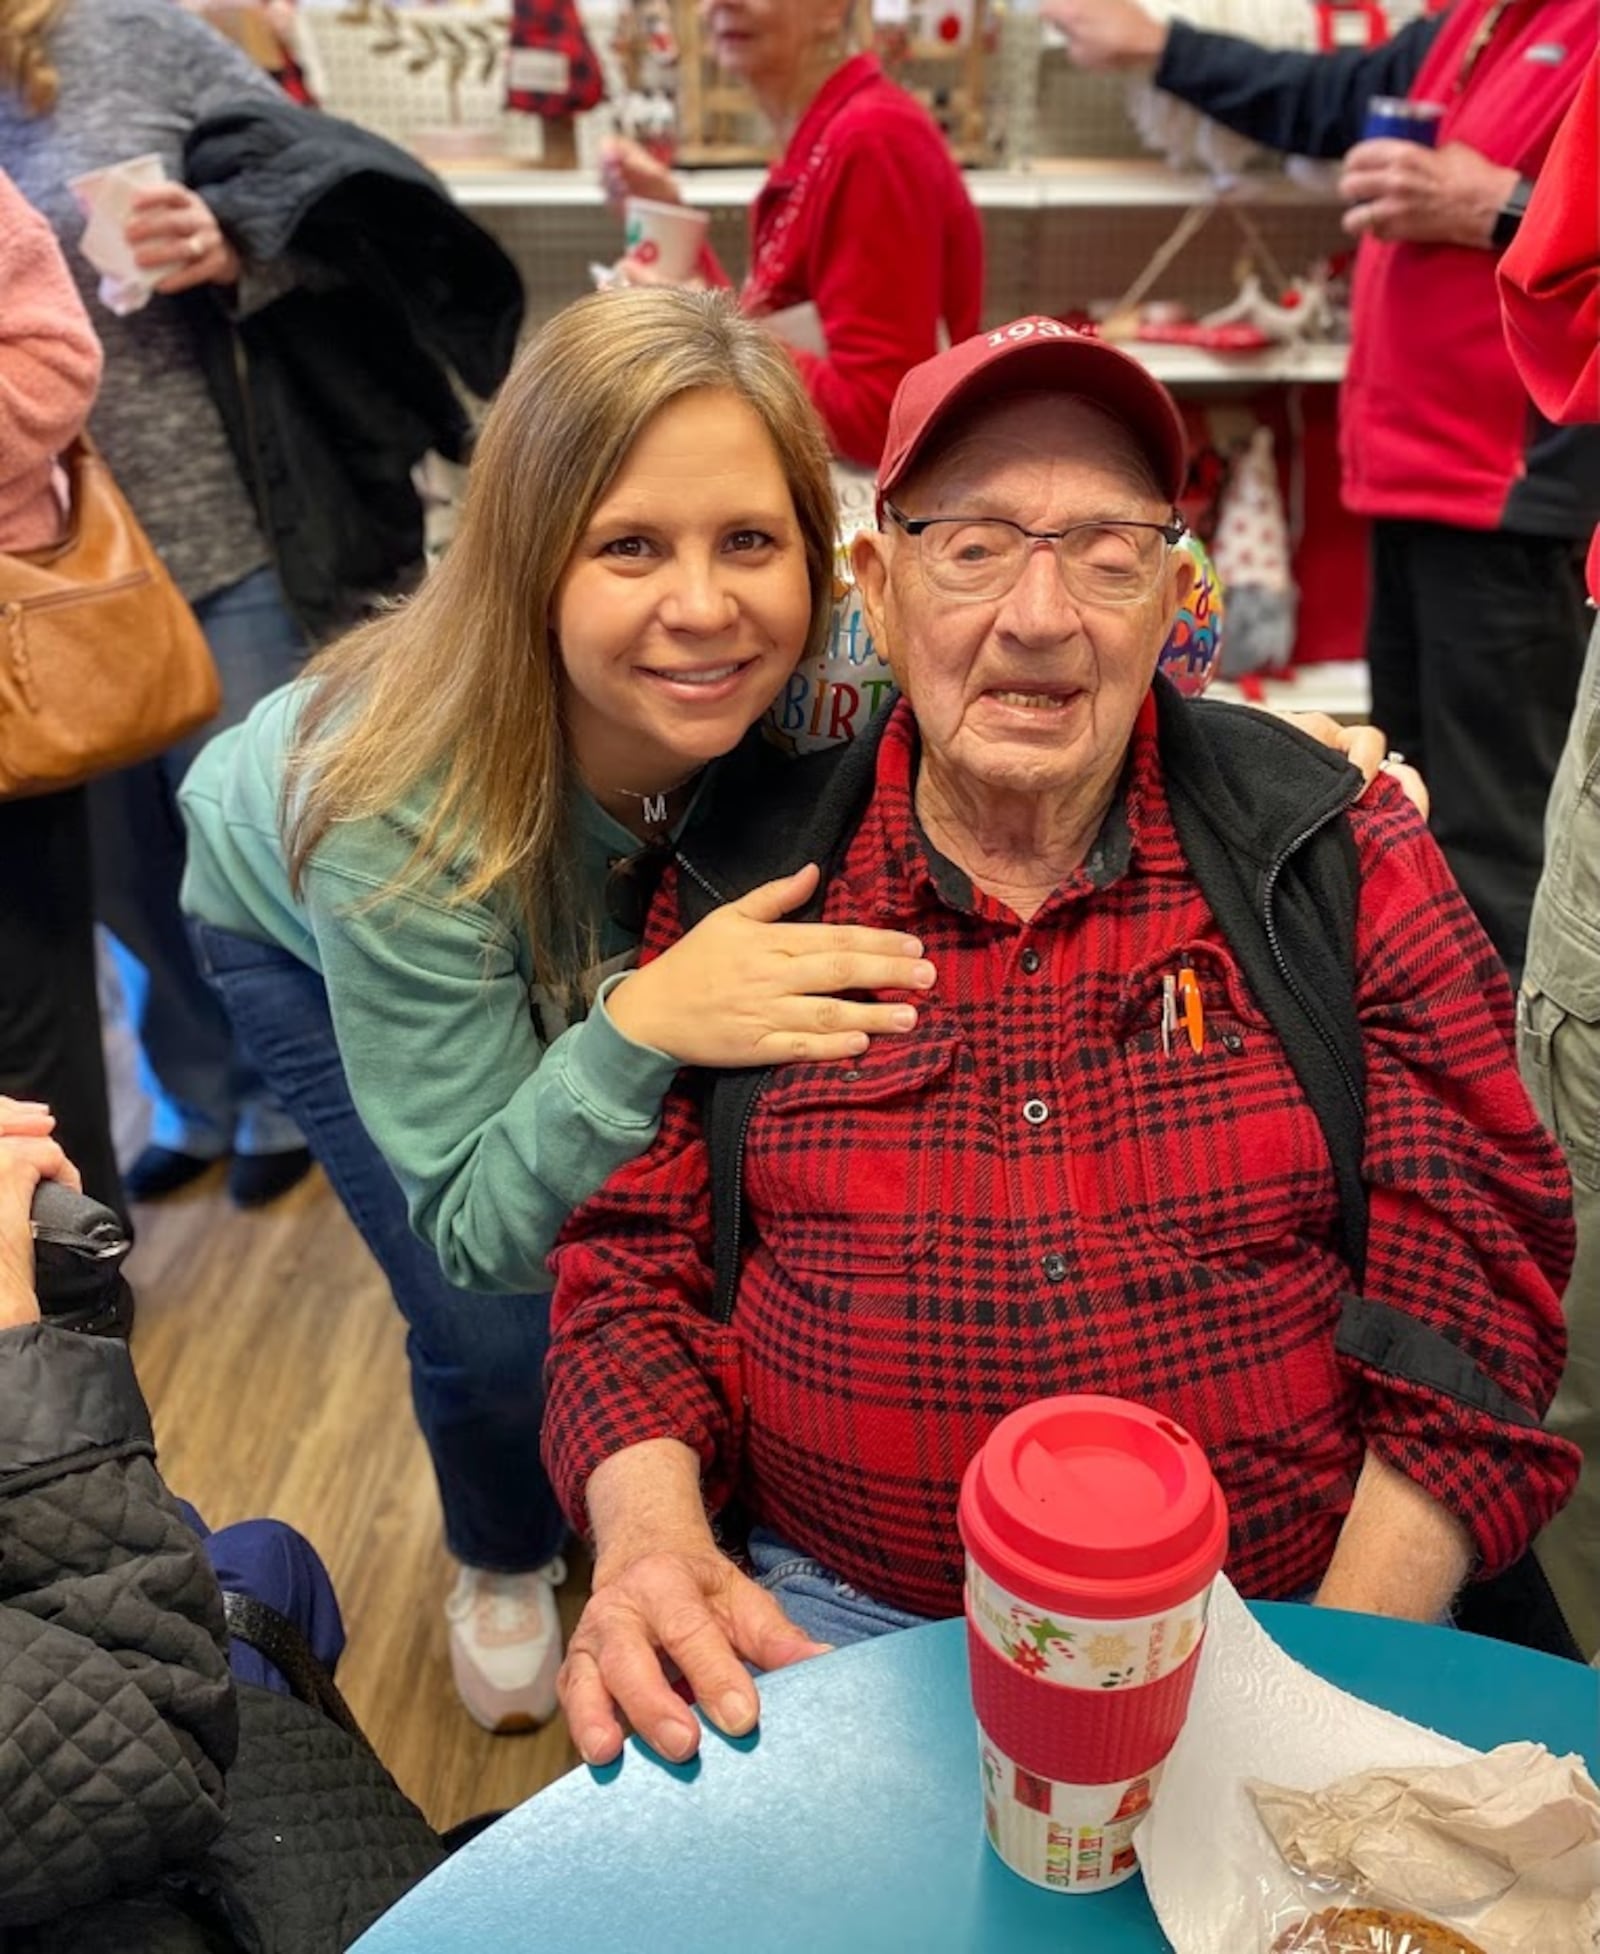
pixel 1194 1014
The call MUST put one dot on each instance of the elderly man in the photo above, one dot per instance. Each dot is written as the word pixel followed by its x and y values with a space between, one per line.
pixel 1209 1103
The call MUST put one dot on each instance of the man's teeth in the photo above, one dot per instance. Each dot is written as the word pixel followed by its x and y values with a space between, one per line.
pixel 714 676
pixel 1034 701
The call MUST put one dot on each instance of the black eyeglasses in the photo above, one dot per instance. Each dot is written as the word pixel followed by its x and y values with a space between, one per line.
pixel 631 885
pixel 976 559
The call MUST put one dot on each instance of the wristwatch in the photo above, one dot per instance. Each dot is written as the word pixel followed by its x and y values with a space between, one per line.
pixel 1508 219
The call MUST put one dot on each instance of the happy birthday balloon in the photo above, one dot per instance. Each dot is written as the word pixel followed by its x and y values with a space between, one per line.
pixel 1193 650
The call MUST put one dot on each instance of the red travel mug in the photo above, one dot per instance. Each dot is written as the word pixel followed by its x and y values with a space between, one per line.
pixel 1093 1531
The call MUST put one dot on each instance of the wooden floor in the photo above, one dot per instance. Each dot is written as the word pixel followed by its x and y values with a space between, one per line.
pixel 274 1363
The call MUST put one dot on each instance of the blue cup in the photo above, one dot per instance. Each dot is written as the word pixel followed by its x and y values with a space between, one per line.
pixel 1394 117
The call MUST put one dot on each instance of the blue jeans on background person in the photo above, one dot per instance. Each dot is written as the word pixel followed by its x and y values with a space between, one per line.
pixel 270 1561
pixel 477 1361
pixel 207 1099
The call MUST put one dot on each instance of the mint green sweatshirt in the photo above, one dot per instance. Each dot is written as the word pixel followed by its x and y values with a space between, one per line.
pixel 494 1134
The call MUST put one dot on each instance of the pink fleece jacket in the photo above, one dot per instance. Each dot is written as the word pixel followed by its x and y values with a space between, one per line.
pixel 49 369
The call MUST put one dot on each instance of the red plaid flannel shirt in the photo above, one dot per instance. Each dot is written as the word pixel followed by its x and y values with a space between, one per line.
pixel 1027 1195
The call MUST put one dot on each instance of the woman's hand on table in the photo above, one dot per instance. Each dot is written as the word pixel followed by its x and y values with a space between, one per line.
pixel 1367 750
pixel 627 169
pixel 689 1605
pixel 745 988
pixel 170 225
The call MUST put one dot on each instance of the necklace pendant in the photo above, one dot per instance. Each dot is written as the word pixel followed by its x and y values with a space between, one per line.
pixel 655 809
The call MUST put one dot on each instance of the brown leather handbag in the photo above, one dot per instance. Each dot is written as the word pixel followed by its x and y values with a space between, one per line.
pixel 101 661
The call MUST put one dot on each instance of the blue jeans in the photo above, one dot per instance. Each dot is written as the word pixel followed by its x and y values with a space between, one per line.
pixel 477 1362
pixel 207 1098
pixel 826 1608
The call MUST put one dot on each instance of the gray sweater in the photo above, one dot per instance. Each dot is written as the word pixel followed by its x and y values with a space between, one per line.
pixel 136 76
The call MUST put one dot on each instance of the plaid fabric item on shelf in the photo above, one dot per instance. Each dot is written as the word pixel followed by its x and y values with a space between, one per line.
pixel 1038 1192
pixel 551 67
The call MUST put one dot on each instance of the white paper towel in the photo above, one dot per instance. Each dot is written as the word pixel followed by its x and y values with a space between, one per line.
pixel 1210 1868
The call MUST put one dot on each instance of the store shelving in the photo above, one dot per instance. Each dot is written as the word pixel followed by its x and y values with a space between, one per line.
pixel 1077 183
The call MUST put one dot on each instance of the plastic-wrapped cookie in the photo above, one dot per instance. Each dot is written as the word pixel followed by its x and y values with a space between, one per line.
pixel 1372 1930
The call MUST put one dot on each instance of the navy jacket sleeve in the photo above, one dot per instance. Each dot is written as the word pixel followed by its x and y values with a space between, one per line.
pixel 1285 98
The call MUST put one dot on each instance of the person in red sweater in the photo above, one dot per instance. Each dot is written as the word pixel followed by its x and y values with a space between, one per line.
pixel 1550 288
pixel 1479 507
pixel 819 1290
pixel 865 215
pixel 49 1013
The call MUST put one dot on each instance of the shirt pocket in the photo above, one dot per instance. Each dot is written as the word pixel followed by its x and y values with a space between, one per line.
pixel 843 1169
pixel 1230 1154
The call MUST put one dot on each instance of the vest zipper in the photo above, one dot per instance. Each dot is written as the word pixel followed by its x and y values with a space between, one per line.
pixel 725 1304
pixel 695 876
pixel 1275 943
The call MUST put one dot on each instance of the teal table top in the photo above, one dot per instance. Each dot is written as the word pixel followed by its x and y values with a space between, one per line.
pixel 851 1819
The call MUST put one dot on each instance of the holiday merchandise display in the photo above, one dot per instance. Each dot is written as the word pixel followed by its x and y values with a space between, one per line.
pixel 1252 553
pixel 552 71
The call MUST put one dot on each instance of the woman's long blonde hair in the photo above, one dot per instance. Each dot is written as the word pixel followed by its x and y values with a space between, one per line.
pixel 460 687
pixel 24 63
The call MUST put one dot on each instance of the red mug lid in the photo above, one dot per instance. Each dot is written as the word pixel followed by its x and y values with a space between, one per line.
pixel 1096 1505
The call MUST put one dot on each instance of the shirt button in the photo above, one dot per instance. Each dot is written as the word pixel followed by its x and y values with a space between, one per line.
pixel 1054 1266
pixel 1035 1112
pixel 1030 961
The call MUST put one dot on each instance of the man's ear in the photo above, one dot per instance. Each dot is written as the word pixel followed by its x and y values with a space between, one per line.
pixel 869 564
pixel 1182 575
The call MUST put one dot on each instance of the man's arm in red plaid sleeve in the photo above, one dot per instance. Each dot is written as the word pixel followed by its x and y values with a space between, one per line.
pixel 641 1432
pixel 1458 1343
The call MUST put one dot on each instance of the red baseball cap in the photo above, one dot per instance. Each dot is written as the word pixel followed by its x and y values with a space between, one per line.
pixel 1035 356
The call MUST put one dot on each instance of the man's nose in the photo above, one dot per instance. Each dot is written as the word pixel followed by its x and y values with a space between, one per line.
pixel 1038 609
pixel 699 599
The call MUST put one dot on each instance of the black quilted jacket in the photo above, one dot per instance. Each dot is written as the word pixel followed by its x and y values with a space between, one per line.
pixel 147 1805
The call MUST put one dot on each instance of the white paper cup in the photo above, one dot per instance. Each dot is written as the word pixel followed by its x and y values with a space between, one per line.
pixel 105 197
pixel 664 238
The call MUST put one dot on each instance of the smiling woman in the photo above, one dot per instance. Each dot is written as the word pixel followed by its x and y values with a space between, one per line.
pixel 680 610
pixel 399 870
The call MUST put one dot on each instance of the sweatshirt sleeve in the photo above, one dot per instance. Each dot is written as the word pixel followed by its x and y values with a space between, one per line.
pixel 1306 104
pixel 1457 1345
pixel 1550 275
pixel 493 1136
pixel 115 1699
pixel 875 268
pixel 49 356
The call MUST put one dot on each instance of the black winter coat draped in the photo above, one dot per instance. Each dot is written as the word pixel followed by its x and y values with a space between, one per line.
pixel 333 391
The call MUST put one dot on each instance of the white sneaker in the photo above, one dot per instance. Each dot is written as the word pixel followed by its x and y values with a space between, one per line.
pixel 505 1644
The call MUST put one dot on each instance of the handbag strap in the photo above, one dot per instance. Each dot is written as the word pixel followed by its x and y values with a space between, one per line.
pixel 277 1638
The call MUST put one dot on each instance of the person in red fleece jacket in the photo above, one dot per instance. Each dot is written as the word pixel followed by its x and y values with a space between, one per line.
pixel 1550 288
pixel 865 215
